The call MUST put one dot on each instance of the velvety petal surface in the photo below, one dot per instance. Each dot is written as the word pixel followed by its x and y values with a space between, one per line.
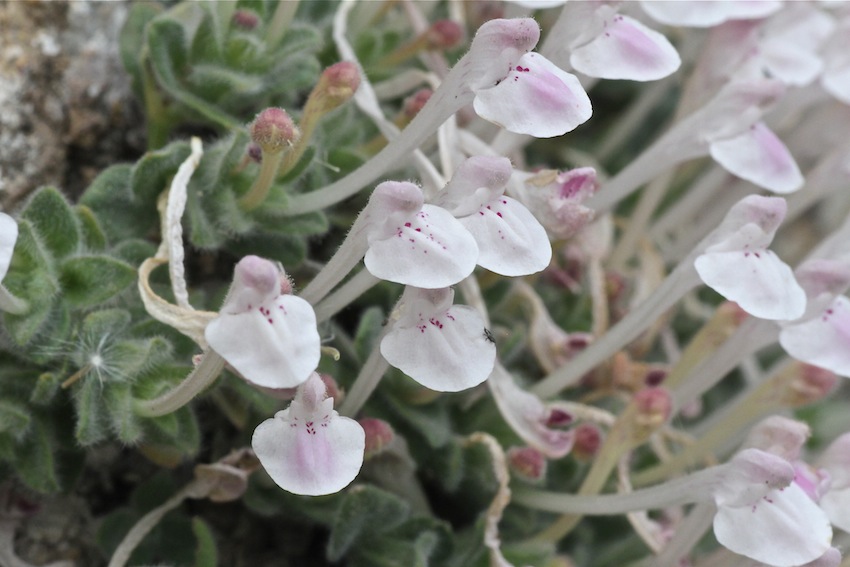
pixel 823 340
pixel 707 13
pixel 626 49
pixel 442 346
pixel 760 157
pixel 428 249
pixel 784 528
pixel 757 280
pixel 511 242
pixel 274 344
pixel 535 98
pixel 309 448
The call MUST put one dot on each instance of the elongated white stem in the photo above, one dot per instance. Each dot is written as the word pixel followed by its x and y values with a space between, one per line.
pixel 679 282
pixel 351 251
pixel 143 527
pixel 446 100
pixel 695 487
pixel 753 335
pixel 365 383
pixel 348 292
pixel 204 374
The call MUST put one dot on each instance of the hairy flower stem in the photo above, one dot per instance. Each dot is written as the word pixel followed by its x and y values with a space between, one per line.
pixel 281 20
pixel 365 383
pixel 204 374
pixel 345 295
pixel 671 290
pixel 446 100
pixel 350 252
pixel 263 182
pixel 687 535
pixel 10 303
pixel 694 487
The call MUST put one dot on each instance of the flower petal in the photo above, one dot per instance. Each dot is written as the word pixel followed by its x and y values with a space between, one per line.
pixel 442 346
pixel 757 280
pixel 309 448
pixel 511 242
pixel 823 340
pixel 707 13
pixel 528 416
pixel 275 345
pixel 430 249
pixel 8 237
pixel 783 529
pixel 626 49
pixel 536 98
pixel 760 157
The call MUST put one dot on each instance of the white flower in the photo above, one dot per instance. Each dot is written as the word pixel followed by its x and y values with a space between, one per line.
pixel 309 448
pixel 442 346
pixel 269 338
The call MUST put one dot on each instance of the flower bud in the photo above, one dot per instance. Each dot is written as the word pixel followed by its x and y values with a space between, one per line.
pixel 333 389
pixel 273 130
pixel 245 19
pixel 558 418
pixel 807 384
pixel 653 407
pixel 414 103
pixel 528 463
pixel 588 439
pixel 379 434
pixel 444 34
pixel 336 86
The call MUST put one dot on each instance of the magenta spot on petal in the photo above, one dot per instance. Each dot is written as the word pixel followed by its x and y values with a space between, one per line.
pixel 407 225
pixel 499 215
pixel 270 321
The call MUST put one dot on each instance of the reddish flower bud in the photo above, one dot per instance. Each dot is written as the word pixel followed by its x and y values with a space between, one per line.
pixel 527 463
pixel 588 438
pixel 245 19
pixel 444 34
pixel 333 389
pixel 336 86
pixel 414 103
pixel 379 434
pixel 653 407
pixel 273 130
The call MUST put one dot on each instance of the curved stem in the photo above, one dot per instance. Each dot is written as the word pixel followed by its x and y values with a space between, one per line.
pixel 679 282
pixel 263 182
pixel 204 374
pixel 143 527
pixel 350 252
pixel 370 375
pixel 348 292
pixel 11 303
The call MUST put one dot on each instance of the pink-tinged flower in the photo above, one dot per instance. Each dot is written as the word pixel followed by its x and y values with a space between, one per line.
pixel 442 346
pixel 528 416
pixel 523 92
pixel 614 46
pixel 822 340
pixel 836 74
pixel 511 242
pixel 707 13
pixel 760 157
pixel 269 338
pixel 822 336
pixel 762 514
pixel 835 501
pixel 737 264
pixel 556 197
pixel 8 237
pixel 413 243
pixel 309 448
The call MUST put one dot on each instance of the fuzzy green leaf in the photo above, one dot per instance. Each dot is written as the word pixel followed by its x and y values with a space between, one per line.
pixel 288 250
pixel 92 423
pixel 119 403
pixel 431 420
pixel 132 37
pixel 206 553
pixel 90 280
pixel 169 55
pixel 365 510
pixel 54 221
pixel 120 215
pixel 45 389
pixel 14 418
pixel 36 463
pixel 151 174
pixel 31 277
pixel 93 237
pixel 368 330
pixel 105 322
